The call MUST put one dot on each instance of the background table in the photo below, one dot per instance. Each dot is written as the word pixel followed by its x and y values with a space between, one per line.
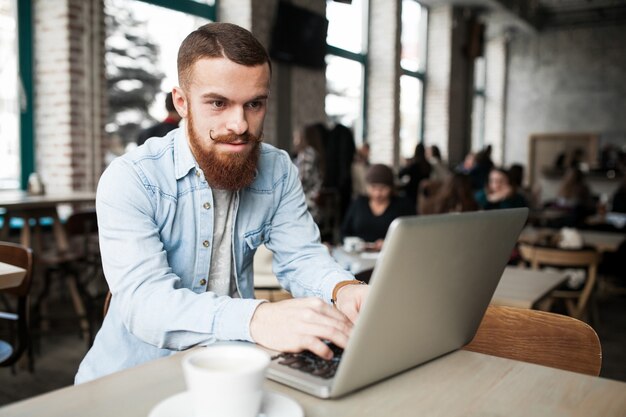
pixel 602 241
pixel 459 384
pixel 20 204
pixel 525 288
pixel 10 275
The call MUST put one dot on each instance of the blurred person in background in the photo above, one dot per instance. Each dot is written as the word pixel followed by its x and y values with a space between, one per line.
pixel 574 198
pixel 618 202
pixel 162 128
pixel 369 216
pixel 359 168
pixel 340 149
pixel 417 170
pixel 499 192
pixel 440 171
pixel 309 160
pixel 454 196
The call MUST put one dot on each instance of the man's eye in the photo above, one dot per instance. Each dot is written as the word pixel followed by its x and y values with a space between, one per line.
pixel 255 104
pixel 217 104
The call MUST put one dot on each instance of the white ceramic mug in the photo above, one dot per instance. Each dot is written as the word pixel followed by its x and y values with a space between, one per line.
pixel 353 244
pixel 226 380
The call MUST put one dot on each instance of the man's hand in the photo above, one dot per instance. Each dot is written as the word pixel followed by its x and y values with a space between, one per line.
pixel 350 299
pixel 298 324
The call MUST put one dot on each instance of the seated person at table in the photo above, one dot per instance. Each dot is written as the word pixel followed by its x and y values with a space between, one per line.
pixel 180 220
pixel 574 198
pixel 369 217
pixel 499 193
pixel 162 128
pixel 618 204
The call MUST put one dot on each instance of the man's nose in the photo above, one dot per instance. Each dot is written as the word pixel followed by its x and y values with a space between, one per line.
pixel 237 122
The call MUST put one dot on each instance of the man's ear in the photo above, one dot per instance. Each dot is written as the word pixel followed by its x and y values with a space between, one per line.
pixel 180 101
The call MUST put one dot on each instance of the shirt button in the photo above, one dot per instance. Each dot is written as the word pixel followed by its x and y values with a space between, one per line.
pixel 197 172
pixel 207 205
pixel 206 243
pixel 203 281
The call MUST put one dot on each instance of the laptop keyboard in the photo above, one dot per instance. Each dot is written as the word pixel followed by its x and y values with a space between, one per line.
pixel 311 363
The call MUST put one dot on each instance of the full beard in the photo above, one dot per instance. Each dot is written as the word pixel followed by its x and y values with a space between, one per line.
pixel 225 170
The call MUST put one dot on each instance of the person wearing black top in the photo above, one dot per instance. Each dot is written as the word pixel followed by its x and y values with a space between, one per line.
pixel 161 129
pixel 369 216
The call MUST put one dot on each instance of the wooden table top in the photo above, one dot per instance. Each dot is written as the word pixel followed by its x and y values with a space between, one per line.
pixel 19 200
pixel 523 288
pixel 602 241
pixel 10 275
pixel 462 383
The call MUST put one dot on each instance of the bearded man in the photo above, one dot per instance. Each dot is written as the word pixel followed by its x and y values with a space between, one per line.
pixel 180 219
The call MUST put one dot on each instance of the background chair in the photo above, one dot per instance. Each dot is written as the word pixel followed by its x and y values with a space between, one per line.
pixel 265 282
pixel 576 301
pixel 79 267
pixel 538 337
pixel 17 302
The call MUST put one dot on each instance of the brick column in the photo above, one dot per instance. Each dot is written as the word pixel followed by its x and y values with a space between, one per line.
pixel 437 97
pixel 495 93
pixel 70 93
pixel 383 82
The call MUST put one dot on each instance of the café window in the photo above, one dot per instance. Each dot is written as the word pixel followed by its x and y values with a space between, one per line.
pixel 412 65
pixel 141 60
pixel 345 64
pixel 9 97
pixel 478 105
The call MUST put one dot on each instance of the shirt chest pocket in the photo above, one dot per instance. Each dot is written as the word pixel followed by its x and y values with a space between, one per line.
pixel 251 241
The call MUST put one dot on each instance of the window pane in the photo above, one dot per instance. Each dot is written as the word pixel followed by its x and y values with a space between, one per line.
pixel 9 102
pixel 413 36
pixel 410 114
pixel 478 122
pixel 141 62
pixel 344 93
pixel 346 23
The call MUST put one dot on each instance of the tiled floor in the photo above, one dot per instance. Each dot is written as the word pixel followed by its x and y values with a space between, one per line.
pixel 61 353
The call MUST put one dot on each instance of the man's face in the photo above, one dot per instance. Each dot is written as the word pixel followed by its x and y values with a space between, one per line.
pixel 224 105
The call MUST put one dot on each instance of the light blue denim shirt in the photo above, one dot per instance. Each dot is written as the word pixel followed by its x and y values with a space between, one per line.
pixel 155 222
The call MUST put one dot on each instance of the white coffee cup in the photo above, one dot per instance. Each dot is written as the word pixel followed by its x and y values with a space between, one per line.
pixel 353 244
pixel 226 380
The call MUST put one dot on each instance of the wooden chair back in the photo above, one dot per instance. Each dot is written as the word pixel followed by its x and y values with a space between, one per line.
pixel 576 301
pixel 22 257
pixel 538 337
pixel 107 303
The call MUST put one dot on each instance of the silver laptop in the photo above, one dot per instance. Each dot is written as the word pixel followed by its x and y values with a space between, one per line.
pixel 429 291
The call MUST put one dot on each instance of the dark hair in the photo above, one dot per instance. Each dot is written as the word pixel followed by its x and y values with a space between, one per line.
pixel 456 195
pixel 379 174
pixel 435 152
pixel 516 175
pixel 313 135
pixel 219 40
pixel 169 103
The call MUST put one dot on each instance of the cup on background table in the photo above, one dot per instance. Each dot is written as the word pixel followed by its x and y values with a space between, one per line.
pixel 226 380
pixel 353 244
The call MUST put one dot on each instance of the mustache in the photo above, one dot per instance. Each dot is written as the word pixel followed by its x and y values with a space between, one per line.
pixel 233 138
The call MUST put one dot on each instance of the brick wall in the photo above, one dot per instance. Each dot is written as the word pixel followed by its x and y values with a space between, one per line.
pixel 569 80
pixel 437 98
pixel 383 82
pixel 495 90
pixel 69 85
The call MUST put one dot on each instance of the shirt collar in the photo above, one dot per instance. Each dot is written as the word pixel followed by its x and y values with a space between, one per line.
pixel 183 158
